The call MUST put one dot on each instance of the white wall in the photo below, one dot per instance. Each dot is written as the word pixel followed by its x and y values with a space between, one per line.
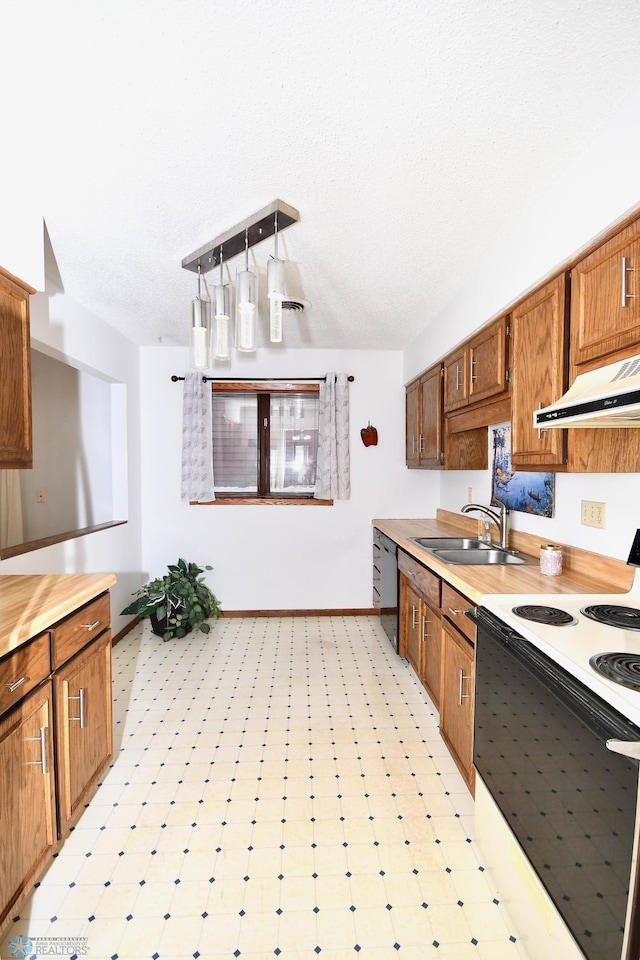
pixel 596 190
pixel 66 331
pixel 281 557
pixel 72 450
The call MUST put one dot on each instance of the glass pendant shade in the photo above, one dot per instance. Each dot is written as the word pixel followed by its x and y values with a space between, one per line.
pixel 200 332
pixel 246 311
pixel 275 292
pixel 222 322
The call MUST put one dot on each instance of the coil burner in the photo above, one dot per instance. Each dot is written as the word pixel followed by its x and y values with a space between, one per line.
pixel 537 613
pixel 623 668
pixel 625 618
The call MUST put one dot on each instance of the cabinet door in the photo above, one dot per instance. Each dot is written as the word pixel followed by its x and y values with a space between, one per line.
pixel 15 384
pixel 605 299
pixel 431 434
pixel 83 726
pixel 456 380
pixel 410 624
pixel 456 707
pixel 413 401
pixel 27 805
pixel 539 365
pixel 488 361
pixel 431 657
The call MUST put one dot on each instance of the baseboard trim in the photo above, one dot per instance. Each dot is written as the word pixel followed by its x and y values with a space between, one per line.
pixel 354 612
pixel 125 630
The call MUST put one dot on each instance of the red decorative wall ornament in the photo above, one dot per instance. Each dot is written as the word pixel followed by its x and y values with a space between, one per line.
pixel 369 435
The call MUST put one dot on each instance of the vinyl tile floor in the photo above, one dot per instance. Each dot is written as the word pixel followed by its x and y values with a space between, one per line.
pixel 279 788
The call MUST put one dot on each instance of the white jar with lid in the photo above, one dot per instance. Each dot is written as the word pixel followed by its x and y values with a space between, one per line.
pixel 550 560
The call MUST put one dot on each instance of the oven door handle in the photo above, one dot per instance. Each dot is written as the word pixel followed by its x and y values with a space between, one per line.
pixel 628 748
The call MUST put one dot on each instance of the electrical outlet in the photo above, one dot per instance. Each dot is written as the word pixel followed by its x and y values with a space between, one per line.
pixel 469 494
pixel 593 514
pixel 41 496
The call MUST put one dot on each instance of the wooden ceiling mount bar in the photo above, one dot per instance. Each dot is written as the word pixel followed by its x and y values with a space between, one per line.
pixel 259 227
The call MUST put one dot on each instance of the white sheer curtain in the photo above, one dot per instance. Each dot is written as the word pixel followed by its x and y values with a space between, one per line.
pixel 333 480
pixel 10 508
pixel 197 457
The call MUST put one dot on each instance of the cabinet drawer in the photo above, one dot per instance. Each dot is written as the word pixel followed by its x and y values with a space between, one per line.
pixel 454 605
pixel 424 581
pixel 23 670
pixel 72 634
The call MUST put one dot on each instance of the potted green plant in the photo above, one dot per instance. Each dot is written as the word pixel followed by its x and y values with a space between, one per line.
pixel 176 603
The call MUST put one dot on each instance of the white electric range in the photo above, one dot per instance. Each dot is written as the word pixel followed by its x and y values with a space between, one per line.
pixel 572 638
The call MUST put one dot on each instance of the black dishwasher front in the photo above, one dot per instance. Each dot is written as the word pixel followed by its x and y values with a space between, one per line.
pixel 389 588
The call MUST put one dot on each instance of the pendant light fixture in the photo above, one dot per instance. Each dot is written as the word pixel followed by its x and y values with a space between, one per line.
pixel 213 312
pixel 246 305
pixel 275 289
pixel 200 332
pixel 221 318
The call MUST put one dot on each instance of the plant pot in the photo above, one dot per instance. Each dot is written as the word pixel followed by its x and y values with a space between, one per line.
pixel 159 626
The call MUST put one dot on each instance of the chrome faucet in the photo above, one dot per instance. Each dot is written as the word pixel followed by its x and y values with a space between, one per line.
pixel 501 520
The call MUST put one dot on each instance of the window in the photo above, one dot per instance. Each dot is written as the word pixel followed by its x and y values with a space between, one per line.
pixel 265 440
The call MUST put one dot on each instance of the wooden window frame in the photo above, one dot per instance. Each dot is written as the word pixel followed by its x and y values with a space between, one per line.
pixel 264 390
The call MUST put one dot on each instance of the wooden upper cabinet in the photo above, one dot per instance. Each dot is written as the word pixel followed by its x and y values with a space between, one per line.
pixel 488 361
pixel 424 420
pixel 432 452
pixel 477 370
pixel 539 331
pixel 456 379
pixel 15 383
pixel 605 300
pixel 413 402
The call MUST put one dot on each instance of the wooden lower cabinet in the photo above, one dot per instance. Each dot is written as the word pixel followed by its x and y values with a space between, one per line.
pixel 27 802
pixel 410 623
pixel 82 690
pixel 55 741
pixel 431 660
pixel 420 637
pixel 456 708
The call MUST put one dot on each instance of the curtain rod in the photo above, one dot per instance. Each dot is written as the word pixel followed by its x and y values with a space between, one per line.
pixel 350 378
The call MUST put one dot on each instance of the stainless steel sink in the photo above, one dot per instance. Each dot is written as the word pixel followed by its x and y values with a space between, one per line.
pixel 467 550
pixel 450 543
pixel 490 555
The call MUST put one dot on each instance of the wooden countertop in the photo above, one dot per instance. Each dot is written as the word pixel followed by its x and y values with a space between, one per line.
pixel 583 571
pixel 31 603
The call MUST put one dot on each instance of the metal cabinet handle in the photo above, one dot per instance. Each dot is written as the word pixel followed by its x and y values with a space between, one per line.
pixel 91 626
pixel 43 750
pixel 80 697
pixel 458 382
pixel 628 748
pixel 624 294
pixel 420 444
pixel 11 686
pixel 425 635
pixel 456 613
pixel 462 696
pixel 414 621
pixel 539 430
pixel 473 377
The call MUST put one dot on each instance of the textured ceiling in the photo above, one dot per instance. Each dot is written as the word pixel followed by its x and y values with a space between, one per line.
pixel 408 134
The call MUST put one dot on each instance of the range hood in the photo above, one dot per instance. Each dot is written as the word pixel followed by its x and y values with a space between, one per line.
pixel 603 398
